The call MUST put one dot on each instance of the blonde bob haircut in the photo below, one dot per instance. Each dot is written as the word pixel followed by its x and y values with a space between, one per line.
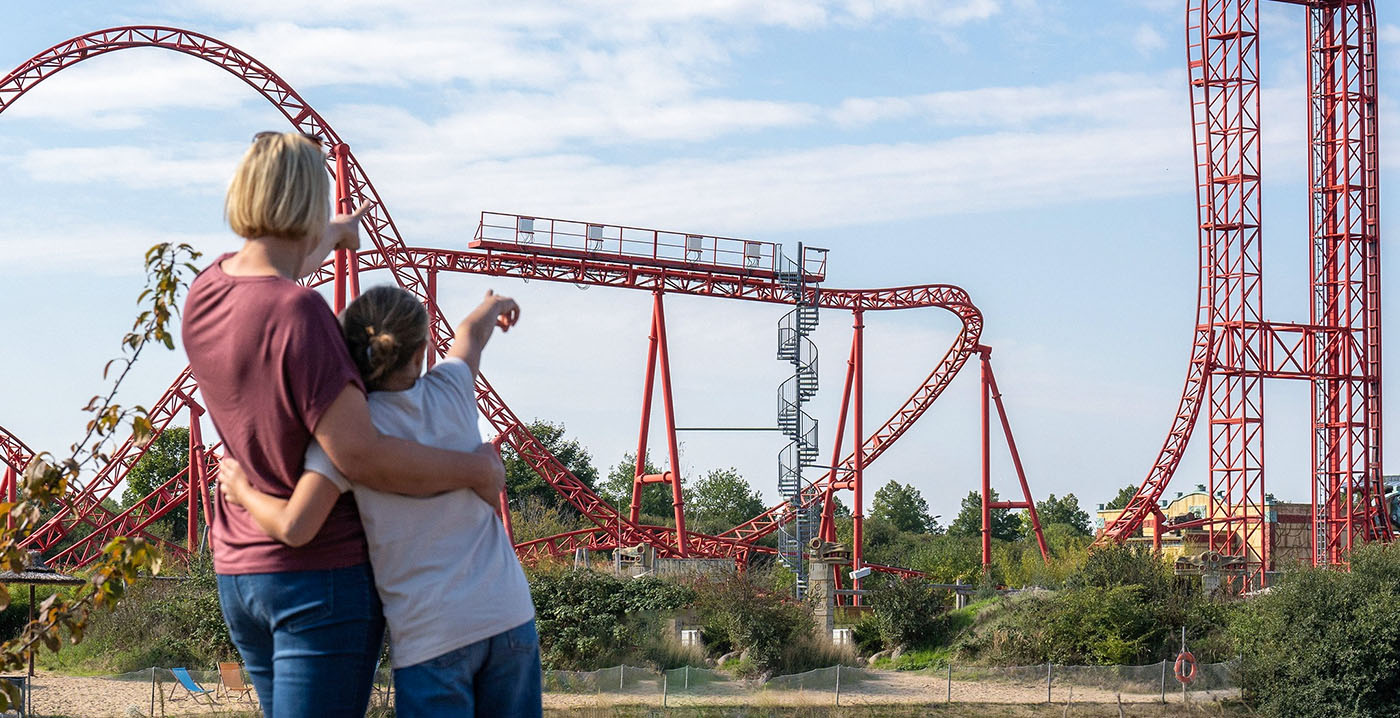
pixel 280 188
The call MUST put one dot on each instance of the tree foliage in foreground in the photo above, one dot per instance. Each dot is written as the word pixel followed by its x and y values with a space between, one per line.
pixel 44 482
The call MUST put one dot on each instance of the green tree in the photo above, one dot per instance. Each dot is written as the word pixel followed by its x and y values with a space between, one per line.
pixel 521 480
pixel 1125 495
pixel 167 456
pixel 904 507
pixel 1006 526
pixel 1063 510
pixel 722 499
pixel 617 488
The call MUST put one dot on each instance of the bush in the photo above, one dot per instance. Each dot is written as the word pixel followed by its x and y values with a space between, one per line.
pixel 866 633
pixel 907 612
pixel 742 609
pixel 1324 642
pixel 588 619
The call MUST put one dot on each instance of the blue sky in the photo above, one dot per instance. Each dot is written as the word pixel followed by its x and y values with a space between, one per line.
pixel 1034 152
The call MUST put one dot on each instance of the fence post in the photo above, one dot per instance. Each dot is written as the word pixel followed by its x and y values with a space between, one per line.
pixel 153 693
pixel 687 676
pixel 838 685
pixel 1164 680
pixel 622 678
pixel 1241 675
pixel 1049 679
pixel 664 676
pixel 950 681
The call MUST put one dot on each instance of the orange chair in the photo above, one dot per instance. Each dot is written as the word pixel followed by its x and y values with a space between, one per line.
pixel 231 683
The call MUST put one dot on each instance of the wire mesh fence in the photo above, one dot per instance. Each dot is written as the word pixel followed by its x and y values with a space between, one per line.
pixel 847 685
pixel 160 692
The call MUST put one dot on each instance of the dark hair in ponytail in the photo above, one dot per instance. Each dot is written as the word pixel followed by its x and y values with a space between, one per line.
pixel 383 327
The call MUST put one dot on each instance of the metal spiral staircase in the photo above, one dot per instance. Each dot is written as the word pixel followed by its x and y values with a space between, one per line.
pixel 796 348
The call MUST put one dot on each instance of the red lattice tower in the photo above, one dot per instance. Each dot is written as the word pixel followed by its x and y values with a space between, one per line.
pixel 1235 348
pixel 417 269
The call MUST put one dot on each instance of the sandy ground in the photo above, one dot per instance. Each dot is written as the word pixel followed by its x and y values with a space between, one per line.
pixel 55 694
pixel 879 688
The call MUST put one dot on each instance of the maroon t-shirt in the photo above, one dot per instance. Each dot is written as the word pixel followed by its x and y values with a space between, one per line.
pixel 269 359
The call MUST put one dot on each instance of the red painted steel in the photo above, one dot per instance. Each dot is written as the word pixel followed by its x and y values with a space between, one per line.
pixel 724 274
pixel 858 429
pixel 990 390
pixel 658 352
pixel 1235 349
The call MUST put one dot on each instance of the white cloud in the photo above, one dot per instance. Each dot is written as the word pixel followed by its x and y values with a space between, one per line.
pixel 819 187
pixel 1390 34
pixel 120 90
pixel 1146 40
pixel 196 166
pixel 89 248
pixel 1126 99
pixel 781 13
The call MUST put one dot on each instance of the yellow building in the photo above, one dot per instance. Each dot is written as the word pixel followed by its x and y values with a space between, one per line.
pixel 1287 529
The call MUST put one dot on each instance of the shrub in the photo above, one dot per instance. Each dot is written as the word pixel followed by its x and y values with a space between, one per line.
pixel 866 633
pixel 1324 642
pixel 741 608
pixel 588 619
pixel 907 612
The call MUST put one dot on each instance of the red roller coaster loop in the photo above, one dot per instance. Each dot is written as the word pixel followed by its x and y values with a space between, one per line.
pixel 417 269
pixel 1235 349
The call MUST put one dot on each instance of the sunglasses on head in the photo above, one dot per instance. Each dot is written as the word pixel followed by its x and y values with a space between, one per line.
pixel 315 139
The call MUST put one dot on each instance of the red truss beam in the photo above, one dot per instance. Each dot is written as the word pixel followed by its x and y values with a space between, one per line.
pixel 1338 350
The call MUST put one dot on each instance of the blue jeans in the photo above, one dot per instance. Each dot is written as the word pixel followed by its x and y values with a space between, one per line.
pixel 309 639
pixel 496 676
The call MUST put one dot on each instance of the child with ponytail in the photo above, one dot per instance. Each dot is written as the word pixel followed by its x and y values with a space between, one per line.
pixel 461 621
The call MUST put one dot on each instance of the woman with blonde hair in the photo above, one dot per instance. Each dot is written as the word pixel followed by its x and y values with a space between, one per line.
pixel 275 375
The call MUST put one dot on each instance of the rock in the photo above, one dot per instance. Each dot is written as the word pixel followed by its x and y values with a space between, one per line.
pixel 725 658
pixel 878 655
pixel 898 651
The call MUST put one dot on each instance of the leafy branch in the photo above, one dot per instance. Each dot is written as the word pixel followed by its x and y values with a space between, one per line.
pixel 46 480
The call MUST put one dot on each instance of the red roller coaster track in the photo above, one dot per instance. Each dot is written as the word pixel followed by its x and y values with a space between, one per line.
pixel 1235 349
pixel 417 270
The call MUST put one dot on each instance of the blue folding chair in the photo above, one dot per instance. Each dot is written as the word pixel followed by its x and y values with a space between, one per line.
pixel 196 691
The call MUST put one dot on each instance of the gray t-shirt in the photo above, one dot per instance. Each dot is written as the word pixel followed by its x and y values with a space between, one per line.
pixel 443 564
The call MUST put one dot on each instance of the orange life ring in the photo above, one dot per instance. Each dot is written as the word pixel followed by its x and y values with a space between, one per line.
pixel 1185 667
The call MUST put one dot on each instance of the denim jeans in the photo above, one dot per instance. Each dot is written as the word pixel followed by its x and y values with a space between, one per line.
pixel 309 639
pixel 496 676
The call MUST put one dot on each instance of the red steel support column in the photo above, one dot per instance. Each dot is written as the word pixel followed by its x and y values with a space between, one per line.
pixel 858 432
pixel 828 527
pixel 433 339
pixel 347 271
pixel 11 491
pixel 196 457
pixel 201 470
pixel 636 508
pixel 1015 456
pixel 986 469
pixel 672 445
